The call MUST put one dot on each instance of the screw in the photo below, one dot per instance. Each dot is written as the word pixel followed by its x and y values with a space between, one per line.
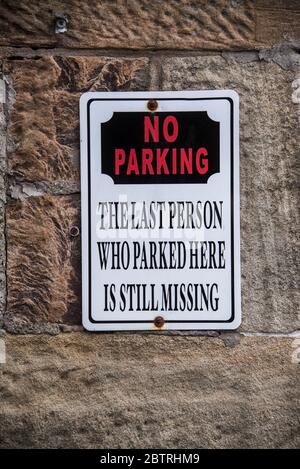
pixel 152 105
pixel 61 24
pixel 159 322
pixel 74 231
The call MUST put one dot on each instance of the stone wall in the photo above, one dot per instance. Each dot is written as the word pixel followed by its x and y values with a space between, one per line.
pixel 63 387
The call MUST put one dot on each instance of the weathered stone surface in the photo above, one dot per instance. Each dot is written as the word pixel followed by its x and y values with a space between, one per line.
pixel 2 195
pixel 137 24
pixel 178 389
pixel 2 263
pixel 277 21
pixel 118 390
pixel 131 24
pixel 269 195
pixel 43 263
pixel 269 142
pixel 44 129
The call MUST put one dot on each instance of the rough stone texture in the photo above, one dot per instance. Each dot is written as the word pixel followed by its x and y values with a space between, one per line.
pixel 130 24
pixel 64 387
pixel 43 264
pixel 136 24
pixel 269 181
pixel 277 20
pixel 2 195
pixel 118 390
pixel 44 130
pixel 269 146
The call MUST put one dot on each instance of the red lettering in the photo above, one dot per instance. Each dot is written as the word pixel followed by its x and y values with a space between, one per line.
pixel 147 159
pixel 186 161
pixel 161 161
pixel 170 137
pixel 201 163
pixel 119 159
pixel 174 160
pixel 149 128
pixel 132 163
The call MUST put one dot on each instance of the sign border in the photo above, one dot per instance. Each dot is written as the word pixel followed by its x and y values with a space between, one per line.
pixel 157 96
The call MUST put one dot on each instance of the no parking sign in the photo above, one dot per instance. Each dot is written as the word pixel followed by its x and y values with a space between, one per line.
pixel 160 210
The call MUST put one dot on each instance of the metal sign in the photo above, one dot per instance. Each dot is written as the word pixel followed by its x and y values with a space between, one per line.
pixel 160 210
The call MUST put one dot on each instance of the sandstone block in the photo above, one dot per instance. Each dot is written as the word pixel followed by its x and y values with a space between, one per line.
pixel 2 196
pixel 146 391
pixel 269 151
pixel 44 127
pixel 138 24
pixel 43 261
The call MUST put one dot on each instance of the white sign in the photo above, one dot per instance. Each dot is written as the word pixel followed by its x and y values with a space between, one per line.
pixel 160 210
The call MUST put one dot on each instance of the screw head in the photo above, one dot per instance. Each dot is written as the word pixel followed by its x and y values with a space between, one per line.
pixel 152 105
pixel 74 231
pixel 159 322
pixel 61 24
